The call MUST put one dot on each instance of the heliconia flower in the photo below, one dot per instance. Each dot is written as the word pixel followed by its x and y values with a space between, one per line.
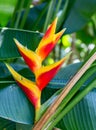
pixel 47 43
pixel 30 88
pixel 45 74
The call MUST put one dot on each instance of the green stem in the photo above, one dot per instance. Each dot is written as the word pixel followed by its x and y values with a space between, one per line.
pixel 62 16
pixel 72 93
pixel 19 14
pixel 34 27
pixel 57 8
pixel 73 102
pixel 25 14
pixel 49 15
pixel 14 15
pixel 37 111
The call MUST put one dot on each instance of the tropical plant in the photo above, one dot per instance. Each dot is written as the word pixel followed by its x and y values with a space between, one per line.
pixel 69 98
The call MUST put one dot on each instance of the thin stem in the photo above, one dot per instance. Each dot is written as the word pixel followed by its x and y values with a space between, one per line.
pixel 25 14
pixel 19 14
pixel 62 16
pixel 39 17
pixel 73 102
pixel 39 125
pixel 14 15
pixel 49 14
pixel 57 8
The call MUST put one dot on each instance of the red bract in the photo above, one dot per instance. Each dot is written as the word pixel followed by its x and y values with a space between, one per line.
pixel 45 74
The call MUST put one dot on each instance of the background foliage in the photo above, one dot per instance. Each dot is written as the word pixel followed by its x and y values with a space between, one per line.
pixel 27 21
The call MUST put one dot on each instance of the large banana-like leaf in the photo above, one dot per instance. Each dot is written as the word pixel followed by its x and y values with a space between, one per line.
pixel 7 124
pixel 14 103
pixel 12 95
pixel 79 15
pixel 28 38
pixel 10 125
pixel 82 116
pixel 23 127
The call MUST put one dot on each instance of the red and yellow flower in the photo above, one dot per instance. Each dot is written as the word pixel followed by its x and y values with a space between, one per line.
pixel 34 60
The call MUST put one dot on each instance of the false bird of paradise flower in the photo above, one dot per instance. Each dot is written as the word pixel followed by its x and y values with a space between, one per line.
pixel 43 74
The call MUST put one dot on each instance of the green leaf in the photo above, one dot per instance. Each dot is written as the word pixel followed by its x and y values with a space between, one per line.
pixel 20 68
pixel 37 13
pixel 15 106
pixel 79 15
pixel 8 48
pixel 83 115
pixel 7 124
pixel 14 103
pixel 6 10
pixel 23 127
pixel 76 15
